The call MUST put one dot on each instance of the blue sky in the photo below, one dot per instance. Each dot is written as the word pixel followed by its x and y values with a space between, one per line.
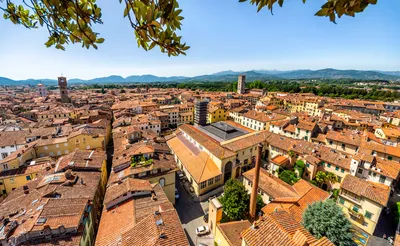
pixel 223 34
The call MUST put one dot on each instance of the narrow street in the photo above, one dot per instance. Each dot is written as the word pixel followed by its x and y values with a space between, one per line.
pixel 191 215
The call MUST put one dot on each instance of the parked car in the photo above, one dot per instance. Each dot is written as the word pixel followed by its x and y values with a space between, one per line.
pixel 176 193
pixel 202 230
pixel 205 218
pixel 180 175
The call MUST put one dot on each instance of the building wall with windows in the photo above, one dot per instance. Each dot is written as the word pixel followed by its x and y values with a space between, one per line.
pixel 348 148
pixel 340 172
pixel 248 184
pixel 167 182
pixel 18 159
pixel 216 115
pixel 62 146
pixel 8 150
pixel 9 183
pixel 360 211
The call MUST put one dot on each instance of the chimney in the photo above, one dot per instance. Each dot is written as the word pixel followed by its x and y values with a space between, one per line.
pixel 254 191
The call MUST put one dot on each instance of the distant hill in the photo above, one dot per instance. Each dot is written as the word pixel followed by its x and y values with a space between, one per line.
pixel 225 76
pixel 330 73
pixel 152 78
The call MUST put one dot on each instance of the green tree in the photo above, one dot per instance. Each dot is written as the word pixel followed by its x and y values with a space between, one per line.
pixel 288 176
pixel 260 203
pixel 155 22
pixel 300 166
pixel 235 200
pixel 320 177
pixel 331 177
pixel 325 218
pixel 292 157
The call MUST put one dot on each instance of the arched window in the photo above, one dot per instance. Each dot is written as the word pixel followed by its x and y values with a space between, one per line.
pixel 162 182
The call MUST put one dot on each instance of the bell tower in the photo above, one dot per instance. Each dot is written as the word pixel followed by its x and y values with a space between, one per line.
pixel 62 82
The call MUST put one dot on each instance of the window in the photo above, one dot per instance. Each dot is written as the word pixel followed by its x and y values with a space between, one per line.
pixel 28 178
pixel 162 182
pixel 4 155
pixel 12 181
pixel 343 146
pixel 250 183
pixel 203 185
pixel 374 174
pixel 355 209
pixel 369 173
pixel 360 171
pixel 390 157
pixel 210 181
pixel 339 179
pixel 246 161
pixel 341 200
pixel 329 165
pixel 337 168
pixel 330 142
pixel 307 165
pixel 368 215
pixel 218 178
pixel 342 170
pixel 382 179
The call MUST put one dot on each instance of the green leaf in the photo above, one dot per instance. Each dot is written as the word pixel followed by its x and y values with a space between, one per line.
pixel 155 23
pixel 152 45
pixel 100 40
pixel 322 12
pixel 60 47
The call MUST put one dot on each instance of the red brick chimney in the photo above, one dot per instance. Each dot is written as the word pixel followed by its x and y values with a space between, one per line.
pixel 254 191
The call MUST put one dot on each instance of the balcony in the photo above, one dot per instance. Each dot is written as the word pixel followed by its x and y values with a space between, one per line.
pixel 356 215
pixel 351 198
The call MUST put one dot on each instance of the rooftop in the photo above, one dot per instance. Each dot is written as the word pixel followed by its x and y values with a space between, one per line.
pixel 222 131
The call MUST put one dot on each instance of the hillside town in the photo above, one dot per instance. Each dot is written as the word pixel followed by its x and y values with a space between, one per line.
pixel 158 166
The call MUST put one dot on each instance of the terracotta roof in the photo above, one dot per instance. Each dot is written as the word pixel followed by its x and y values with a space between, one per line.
pixel 271 185
pixel 372 191
pixel 138 224
pixel 246 141
pixel 344 137
pixel 232 231
pixel 278 229
pixel 290 128
pixel 198 163
pixel 280 160
pixel 331 156
pixel 85 159
pixel 280 123
pixel 306 195
pixel 263 117
pixel 13 138
pixel 129 185
pixel 207 142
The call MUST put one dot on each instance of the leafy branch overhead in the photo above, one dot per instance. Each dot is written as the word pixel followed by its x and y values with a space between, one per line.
pixel 155 22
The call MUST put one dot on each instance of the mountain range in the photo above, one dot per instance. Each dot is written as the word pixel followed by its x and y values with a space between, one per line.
pixel 226 76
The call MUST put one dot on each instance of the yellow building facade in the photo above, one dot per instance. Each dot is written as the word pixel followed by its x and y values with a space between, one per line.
pixel 216 114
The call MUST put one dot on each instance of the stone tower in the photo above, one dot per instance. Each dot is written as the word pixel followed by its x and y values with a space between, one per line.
pixel 241 84
pixel 42 91
pixel 200 112
pixel 62 82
